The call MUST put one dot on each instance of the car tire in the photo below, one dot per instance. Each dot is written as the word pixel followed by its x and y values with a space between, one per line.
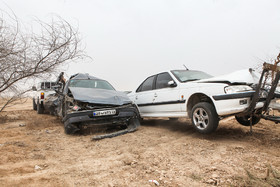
pixel 204 118
pixel 245 120
pixel 40 109
pixel 63 108
pixel 34 104
pixel 70 128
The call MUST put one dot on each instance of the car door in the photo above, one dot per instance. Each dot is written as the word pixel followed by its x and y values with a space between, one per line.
pixel 167 99
pixel 144 96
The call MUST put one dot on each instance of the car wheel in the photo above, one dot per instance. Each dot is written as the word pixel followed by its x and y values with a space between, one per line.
pixel 40 109
pixel 70 128
pixel 245 120
pixel 64 108
pixel 204 118
pixel 34 104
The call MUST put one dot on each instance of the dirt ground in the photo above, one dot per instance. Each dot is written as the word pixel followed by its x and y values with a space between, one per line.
pixel 35 151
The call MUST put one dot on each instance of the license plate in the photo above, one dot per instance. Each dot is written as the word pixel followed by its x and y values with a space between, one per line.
pixel 104 112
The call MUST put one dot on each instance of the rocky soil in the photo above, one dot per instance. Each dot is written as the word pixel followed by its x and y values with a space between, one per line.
pixel 35 151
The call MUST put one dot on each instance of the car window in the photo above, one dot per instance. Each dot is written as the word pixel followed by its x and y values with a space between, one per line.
pixel 89 83
pixel 147 84
pixel 44 85
pixel 41 85
pixel 53 84
pixel 47 85
pixel 162 80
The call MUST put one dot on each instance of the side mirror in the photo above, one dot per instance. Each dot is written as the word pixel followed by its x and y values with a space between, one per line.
pixel 34 88
pixel 172 84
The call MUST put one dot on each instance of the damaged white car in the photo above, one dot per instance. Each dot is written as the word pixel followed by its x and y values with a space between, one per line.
pixel 201 97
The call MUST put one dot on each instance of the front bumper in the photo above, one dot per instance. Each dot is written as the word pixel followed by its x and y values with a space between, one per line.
pixel 233 96
pixel 123 114
pixel 227 104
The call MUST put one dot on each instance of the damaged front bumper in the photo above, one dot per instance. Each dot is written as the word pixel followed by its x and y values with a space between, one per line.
pixel 123 115
pixel 233 96
pixel 227 104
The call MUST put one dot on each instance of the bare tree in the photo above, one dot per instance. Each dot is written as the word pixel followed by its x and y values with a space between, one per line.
pixel 25 55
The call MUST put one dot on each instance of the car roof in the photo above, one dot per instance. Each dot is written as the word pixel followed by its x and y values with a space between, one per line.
pixel 46 81
pixel 83 76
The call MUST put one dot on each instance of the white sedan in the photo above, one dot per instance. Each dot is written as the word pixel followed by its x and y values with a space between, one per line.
pixel 195 94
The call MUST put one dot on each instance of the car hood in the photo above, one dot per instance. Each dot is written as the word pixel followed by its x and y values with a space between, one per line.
pixel 245 76
pixel 99 96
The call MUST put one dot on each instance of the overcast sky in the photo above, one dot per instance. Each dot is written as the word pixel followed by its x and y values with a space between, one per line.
pixel 129 40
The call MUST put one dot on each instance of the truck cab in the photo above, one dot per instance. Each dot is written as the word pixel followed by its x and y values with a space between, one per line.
pixel 41 91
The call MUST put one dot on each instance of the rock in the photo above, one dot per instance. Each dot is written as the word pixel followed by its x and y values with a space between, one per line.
pixel 155 182
pixel 21 125
pixel 37 167
pixel 212 181
pixel 215 176
pixel 229 181
pixel 213 168
pixel 111 184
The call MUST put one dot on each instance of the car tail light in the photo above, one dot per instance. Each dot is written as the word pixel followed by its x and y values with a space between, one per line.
pixel 42 95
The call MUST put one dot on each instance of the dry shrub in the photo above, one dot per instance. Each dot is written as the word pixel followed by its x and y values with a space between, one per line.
pixel 3 119
pixel 43 121
pixel 272 178
pixel 11 116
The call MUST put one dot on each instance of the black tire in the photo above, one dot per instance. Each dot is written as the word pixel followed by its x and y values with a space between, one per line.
pixel 245 120
pixel 34 104
pixel 64 108
pixel 70 128
pixel 40 108
pixel 204 118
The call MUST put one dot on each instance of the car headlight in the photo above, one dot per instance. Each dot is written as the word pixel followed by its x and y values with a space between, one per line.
pixel 237 89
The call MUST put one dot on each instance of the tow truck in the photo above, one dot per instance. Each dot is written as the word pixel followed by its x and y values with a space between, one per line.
pixel 268 82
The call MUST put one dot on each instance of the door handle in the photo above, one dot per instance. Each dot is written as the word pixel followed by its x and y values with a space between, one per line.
pixel 136 97
pixel 155 94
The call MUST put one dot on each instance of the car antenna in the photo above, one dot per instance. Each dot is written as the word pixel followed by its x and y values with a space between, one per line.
pixel 185 67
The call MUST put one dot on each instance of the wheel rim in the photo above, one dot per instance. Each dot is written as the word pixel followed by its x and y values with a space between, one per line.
pixel 200 118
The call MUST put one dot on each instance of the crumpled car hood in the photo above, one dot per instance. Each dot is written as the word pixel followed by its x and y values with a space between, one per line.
pixel 245 76
pixel 99 96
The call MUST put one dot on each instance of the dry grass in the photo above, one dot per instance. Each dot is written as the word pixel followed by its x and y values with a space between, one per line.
pixel 11 117
pixel 272 178
pixel 170 152
pixel 41 122
pixel 3 118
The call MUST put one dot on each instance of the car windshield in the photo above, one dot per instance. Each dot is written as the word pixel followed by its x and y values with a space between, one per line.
pixel 189 75
pixel 91 83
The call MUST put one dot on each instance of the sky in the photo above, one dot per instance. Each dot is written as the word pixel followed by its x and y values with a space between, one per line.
pixel 129 40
